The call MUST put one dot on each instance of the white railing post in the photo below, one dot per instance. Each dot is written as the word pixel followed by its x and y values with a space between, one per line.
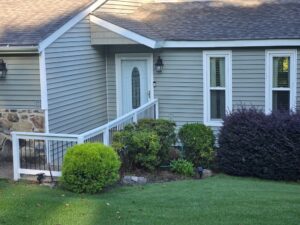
pixel 156 110
pixel 106 136
pixel 16 156
pixel 80 139
pixel 135 117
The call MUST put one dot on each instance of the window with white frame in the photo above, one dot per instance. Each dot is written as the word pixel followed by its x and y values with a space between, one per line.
pixel 281 80
pixel 217 86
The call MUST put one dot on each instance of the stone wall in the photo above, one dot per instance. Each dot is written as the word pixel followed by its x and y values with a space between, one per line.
pixel 18 120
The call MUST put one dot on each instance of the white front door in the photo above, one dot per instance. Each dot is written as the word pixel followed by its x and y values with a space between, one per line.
pixel 134 84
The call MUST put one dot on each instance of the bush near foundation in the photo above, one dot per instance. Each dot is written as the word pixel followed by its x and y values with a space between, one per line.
pixel 265 146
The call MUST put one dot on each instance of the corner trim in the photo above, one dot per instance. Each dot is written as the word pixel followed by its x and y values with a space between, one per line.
pixel 44 91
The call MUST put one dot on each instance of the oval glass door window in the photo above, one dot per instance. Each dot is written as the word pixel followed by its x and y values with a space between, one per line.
pixel 136 88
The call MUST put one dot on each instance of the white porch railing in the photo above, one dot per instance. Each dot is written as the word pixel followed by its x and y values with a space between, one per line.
pixel 35 153
pixel 105 133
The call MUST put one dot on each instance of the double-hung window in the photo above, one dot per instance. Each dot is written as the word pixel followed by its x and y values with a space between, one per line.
pixel 217 76
pixel 280 80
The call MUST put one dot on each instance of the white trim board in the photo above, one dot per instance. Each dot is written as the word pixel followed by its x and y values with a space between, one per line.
pixel 206 85
pixel 269 54
pixel 132 56
pixel 44 88
pixel 124 32
pixel 67 26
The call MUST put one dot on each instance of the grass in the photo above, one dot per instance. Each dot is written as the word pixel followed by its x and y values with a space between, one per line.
pixel 220 200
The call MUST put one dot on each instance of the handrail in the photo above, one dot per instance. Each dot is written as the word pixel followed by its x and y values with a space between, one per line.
pixel 118 120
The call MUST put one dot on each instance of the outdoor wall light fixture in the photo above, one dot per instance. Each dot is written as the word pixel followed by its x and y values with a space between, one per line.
pixel 159 65
pixel 3 69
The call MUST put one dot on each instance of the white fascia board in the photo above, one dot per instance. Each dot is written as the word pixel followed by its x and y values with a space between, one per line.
pixel 67 26
pixel 124 32
pixel 227 44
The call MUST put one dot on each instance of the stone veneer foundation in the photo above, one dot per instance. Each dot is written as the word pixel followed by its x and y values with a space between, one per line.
pixel 23 120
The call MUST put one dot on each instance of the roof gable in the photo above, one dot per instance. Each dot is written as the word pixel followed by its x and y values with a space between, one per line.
pixel 28 22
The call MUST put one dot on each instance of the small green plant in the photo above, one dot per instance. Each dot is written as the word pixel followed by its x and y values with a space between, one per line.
pixel 165 130
pixel 89 168
pixel 182 167
pixel 137 148
pixel 198 143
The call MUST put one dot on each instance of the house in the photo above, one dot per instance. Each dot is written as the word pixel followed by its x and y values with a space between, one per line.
pixel 70 66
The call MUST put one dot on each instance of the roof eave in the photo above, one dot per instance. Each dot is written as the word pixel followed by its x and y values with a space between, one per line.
pixel 19 49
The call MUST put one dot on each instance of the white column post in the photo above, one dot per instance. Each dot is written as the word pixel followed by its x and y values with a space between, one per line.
pixel 106 136
pixel 80 140
pixel 16 156
pixel 156 110
pixel 135 118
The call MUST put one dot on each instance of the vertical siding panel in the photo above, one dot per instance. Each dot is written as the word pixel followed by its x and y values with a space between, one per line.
pixel 248 78
pixel 76 82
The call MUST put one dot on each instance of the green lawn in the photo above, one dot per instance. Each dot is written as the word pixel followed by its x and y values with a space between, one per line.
pixel 220 200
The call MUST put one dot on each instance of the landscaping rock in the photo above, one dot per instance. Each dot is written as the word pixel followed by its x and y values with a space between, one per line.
pixel 134 180
pixel 207 173
pixel 13 117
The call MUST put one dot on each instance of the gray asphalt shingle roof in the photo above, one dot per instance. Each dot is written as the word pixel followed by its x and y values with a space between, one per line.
pixel 28 22
pixel 207 21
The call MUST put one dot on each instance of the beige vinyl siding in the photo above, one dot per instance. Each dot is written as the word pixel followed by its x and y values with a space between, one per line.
pixel 102 36
pixel 21 87
pixel 248 78
pixel 76 82
pixel 180 87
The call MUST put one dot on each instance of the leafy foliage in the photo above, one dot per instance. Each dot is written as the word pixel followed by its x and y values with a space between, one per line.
pixel 182 167
pixel 165 130
pixel 90 167
pixel 198 143
pixel 266 146
pixel 137 148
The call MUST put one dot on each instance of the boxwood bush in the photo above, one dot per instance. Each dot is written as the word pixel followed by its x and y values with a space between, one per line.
pixel 90 167
pixel 198 144
pixel 138 149
pixel 182 167
pixel 165 130
pixel 266 146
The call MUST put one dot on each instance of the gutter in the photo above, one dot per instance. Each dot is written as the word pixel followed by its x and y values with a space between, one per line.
pixel 19 49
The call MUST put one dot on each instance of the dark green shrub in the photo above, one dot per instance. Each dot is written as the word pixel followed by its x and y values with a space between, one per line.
pixel 182 167
pixel 198 144
pixel 165 130
pixel 266 146
pixel 90 167
pixel 137 148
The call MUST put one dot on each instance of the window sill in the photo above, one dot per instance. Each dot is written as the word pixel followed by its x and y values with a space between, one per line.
pixel 214 123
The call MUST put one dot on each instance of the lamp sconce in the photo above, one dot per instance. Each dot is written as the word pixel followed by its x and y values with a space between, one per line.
pixel 3 69
pixel 159 65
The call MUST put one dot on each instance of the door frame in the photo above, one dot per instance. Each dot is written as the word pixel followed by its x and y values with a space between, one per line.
pixel 132 56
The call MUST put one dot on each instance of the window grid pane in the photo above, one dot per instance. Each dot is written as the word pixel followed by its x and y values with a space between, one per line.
pixel 217 72
pixel 281 72
pixel 217 104
pixel 136 89
pixel 281 100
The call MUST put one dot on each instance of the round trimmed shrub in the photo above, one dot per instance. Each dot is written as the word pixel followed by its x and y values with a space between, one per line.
pixel 88 168
pixel 182 167
pixel 198 144
pixel 265 146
